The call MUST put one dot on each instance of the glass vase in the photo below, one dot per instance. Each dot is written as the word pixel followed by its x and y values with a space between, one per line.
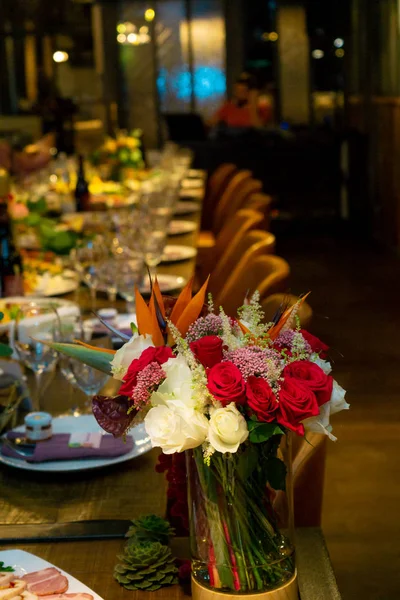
pixel 241 518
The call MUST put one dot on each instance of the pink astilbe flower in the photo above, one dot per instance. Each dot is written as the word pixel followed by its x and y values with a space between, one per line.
pixel 256 361
pixel 147 381
pixel 209 325
pixel 286 339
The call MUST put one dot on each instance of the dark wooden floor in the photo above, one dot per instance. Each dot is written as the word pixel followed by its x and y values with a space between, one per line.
pixel 356 302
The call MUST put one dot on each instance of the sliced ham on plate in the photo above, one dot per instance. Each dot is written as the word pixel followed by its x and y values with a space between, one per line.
pixel 46 582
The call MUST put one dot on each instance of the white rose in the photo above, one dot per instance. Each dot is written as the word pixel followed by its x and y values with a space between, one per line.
pixel 227 429
pixel 129 352
pixel 323 364
pixel 177 388
pixel 175 429
pixel 321 424
pixel 337 401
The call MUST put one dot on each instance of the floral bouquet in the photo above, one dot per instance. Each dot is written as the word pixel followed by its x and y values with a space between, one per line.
pixel 229 391
pixel 122 152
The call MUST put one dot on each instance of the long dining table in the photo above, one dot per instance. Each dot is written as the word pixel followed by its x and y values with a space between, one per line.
pixel 37 508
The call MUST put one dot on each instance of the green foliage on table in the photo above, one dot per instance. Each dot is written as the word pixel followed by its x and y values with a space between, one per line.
pixel 150 528
pixel 146 566
pixel 38 207
pixel 4 569
pixel 5 352
pixel 97 359
pixel 51 238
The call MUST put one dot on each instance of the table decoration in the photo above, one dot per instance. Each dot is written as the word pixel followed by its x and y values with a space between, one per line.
pixel 121 155
pixel 231 394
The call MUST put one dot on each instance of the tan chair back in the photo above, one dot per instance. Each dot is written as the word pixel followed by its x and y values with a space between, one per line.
pixel 252 244
pixel 235 186
pixel 271 304
pixel 268 274
pixel 215 187
pixel 262 203
pixel 308 478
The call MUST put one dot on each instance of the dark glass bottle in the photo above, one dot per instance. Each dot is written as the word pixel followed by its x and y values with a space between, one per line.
pixel 11 268
pixel 82 195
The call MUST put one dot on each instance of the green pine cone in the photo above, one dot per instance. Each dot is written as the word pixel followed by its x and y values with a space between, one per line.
pixel 151 528
pixel 146 566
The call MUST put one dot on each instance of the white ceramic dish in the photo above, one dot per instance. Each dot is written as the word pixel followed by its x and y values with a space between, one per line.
pixel 181 227
pixel 25 562
pixel 63 307
pixel 55 286
pixel 167 283
pixel 187 208
pixel 177 253
pixel 81 424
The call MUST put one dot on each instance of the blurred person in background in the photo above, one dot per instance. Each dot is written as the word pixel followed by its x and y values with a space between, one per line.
pixel 244 110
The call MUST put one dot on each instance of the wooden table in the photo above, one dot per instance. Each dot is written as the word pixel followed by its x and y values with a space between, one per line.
pixel 124 491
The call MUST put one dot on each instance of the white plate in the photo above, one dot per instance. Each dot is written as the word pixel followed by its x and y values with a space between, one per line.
pixel 192 184
pixel 83 424
pixel 167 283
pixel 177 253
pixel 64 307
pixel 55 286
pixel 191 194
pixel 180 227
pixel 187 208
pixel 25 562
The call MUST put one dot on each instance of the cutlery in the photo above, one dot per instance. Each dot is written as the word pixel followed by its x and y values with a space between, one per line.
pixel 22 451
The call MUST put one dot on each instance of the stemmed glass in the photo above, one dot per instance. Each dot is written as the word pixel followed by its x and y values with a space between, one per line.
pixel 35 325
pixel 87 379
pixel 86 259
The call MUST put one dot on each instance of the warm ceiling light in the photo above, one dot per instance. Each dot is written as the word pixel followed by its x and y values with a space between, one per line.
pixel 121 38
pixel 144 29
pixel 121 27
pixel 149 14
pixel 339 53
pixel 318 53
pixel 273 36
pixel 338 43
pixel 59 56
pixel 132 38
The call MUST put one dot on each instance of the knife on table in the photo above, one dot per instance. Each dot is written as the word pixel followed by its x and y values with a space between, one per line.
pixel 62 532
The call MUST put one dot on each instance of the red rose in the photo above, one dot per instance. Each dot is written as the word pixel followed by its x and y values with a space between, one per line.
pixel 313 377
pixel 261 399
pixel 315 343
pixel 226 383
pixel 296 403
pixel 159 355
pixel 208 350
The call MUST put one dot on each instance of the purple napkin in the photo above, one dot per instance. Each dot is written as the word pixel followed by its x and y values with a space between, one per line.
pixel 56 448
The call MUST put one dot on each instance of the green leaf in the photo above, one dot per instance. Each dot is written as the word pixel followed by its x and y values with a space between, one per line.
pixel 32 220
pixel 276 473
pixel 5 351
pixel 5 569
pixel 1 316
pixel 134 328
pixel 261 432
pixel 247 462
pixel 39 207
pixel 96 359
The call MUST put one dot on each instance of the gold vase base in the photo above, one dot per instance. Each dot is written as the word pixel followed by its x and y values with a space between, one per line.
pixel 288 591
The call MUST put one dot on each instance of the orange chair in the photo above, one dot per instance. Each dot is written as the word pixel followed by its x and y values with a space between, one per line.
pixel 252 244
pixel 272 303
pixel 262 203
pixel 240 187
pixel 215 187
pixel 267 274
pixel 229 237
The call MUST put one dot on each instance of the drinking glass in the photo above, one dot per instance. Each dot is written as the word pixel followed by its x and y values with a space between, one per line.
pixel 129 274
pixel 35 325
pixel 86 259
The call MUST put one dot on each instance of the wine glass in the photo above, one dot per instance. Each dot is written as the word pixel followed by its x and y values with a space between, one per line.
pixel 87 379
pixel 86 259
pixel 129 274
pixel 35 325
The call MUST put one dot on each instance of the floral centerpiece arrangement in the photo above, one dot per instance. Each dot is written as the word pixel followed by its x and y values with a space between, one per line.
pixel 229 391
pixel 121 153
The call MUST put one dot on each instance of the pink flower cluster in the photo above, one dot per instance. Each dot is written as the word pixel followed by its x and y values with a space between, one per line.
pixel 209 325
pixel 147 381
pixel 253 360
pixel 286 339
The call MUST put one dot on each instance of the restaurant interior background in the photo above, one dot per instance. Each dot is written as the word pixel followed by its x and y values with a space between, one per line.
pixel 329 70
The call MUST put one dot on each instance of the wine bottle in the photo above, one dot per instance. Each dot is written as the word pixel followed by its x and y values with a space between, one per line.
pixel 11 269
pixel 82 195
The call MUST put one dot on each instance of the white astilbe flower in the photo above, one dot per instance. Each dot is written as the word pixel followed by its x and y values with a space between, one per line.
pixel 228 337
pixel 252 316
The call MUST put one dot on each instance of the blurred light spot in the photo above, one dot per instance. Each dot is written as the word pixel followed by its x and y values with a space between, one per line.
pixel 121 38
pixel 317 53
pixel 339 53
pixel 338 43
pixel 121 27
pixel 273 36
pixel 132 38
pixel 59 56
pixel 149 14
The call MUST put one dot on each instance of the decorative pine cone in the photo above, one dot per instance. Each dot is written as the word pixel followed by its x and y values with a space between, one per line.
pixel 146 566
pixel 150 528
